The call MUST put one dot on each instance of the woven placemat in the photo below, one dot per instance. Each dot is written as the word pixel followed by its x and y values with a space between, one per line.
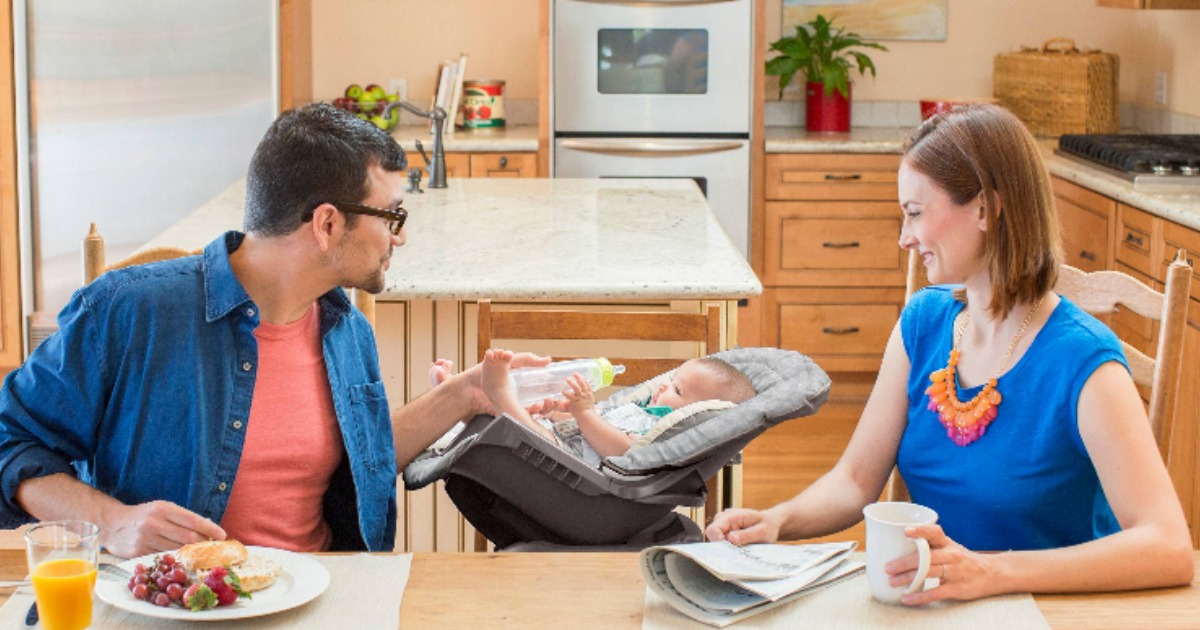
pixel 364 591
pixel 849 605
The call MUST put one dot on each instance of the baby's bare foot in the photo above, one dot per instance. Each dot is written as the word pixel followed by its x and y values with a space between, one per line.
pixel 439 371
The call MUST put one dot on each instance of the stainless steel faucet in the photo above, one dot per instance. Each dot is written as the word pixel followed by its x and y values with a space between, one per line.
pixel 436 166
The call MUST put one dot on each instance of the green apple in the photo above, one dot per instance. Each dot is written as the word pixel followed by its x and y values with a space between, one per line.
pixel 354 91
pixel 376 91
pixel 367 103
pixel 380 122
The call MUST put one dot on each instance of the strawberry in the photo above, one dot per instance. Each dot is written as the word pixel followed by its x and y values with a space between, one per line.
pixel 199 597
pixel 225 584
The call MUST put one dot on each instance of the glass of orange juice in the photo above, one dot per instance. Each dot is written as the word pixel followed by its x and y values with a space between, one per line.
pixel 62 565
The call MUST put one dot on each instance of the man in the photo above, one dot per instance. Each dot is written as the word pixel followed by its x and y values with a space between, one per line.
pixel 236 393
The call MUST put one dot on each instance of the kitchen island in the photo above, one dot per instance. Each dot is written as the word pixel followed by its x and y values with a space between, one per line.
pixel 563 243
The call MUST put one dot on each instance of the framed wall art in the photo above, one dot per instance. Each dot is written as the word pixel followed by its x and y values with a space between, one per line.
pixel 912 20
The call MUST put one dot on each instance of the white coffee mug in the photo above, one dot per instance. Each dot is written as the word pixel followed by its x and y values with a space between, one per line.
pixel 886 542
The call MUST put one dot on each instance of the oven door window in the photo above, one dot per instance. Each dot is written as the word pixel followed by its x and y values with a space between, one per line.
pixel 652 61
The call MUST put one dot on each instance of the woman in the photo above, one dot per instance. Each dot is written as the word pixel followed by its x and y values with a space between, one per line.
pixel 1048 453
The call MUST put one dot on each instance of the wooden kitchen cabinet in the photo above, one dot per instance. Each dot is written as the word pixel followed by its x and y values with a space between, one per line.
pixel 10 260
pixel 520 164
pixel 1088 221
pixel 503 165
pixel 1149 4
pixel 833 276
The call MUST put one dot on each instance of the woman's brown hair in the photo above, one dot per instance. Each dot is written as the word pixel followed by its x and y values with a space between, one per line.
pixel 984 152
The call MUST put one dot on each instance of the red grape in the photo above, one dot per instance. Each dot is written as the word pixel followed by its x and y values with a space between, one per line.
pixel 178 575
pixel 175 592
pixel 161 599
pixel 141 592
pixel 166 560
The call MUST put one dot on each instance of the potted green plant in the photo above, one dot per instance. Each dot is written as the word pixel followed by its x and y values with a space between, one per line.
pixel 824 54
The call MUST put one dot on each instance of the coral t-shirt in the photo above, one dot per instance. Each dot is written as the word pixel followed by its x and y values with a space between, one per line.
pixel 293 444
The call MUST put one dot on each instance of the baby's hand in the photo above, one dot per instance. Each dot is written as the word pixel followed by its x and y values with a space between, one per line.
pixel 579 394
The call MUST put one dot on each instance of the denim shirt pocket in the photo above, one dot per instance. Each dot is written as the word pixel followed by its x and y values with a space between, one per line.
pixel 372 424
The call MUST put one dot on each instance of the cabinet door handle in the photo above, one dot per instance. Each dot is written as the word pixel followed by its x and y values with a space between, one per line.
pixel 839 245
pixel 503 161
pixel 839 331
pixel 1130 237
pixel 830 177
pixel 1086 255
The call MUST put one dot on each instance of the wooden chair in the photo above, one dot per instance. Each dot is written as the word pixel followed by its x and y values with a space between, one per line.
pixel 94 265
pixel 94 261
pixel 1104 292
pixel 530 324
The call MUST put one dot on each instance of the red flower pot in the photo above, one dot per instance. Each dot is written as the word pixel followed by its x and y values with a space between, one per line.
pixel 829 113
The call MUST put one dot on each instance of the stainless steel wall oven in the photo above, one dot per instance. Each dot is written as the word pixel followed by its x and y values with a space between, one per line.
pixel 657 88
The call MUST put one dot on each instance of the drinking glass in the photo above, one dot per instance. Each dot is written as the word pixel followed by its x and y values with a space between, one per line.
pixel 62 565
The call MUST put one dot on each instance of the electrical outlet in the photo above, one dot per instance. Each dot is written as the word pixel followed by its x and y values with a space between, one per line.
pixel 398 87
pixel 1160 88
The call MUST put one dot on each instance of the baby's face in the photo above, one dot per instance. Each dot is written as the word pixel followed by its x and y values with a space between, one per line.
pixel 689 384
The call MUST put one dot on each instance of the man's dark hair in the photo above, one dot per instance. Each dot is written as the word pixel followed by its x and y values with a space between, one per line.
pixel 309 156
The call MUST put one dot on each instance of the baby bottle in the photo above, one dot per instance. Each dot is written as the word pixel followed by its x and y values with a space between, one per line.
pixel 537 384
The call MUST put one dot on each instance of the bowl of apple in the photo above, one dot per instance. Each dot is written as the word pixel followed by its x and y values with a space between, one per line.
pixel 368 104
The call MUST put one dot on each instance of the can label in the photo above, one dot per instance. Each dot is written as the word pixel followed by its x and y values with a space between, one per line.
pixel 483 105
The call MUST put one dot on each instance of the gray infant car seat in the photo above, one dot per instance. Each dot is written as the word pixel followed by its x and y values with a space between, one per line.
pixel 525 493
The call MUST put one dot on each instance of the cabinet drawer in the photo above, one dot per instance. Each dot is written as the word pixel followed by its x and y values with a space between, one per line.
pixel 1139 332
pixel 1085 218
pixel 504 165
pixel 457 164
pixel 1175 238
pixel 842 177
pixel 833 244
pixel 842 330
pixel 1138 236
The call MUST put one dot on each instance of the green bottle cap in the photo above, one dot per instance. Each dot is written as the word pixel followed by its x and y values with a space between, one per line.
pixel 608 371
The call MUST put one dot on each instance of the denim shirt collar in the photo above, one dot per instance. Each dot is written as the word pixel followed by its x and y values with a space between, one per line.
pixel 223 292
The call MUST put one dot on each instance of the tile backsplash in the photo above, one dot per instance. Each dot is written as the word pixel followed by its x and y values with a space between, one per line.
pixel 908 114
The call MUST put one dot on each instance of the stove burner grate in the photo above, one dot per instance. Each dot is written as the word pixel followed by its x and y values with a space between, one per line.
pixel 1154 154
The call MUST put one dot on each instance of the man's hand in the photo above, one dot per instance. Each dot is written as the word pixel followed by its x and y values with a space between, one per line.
pixel 136 530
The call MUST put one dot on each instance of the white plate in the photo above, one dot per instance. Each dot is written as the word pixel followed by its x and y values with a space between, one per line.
pixel 301 581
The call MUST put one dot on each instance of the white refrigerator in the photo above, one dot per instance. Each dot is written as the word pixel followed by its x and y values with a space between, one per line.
pixel 130 114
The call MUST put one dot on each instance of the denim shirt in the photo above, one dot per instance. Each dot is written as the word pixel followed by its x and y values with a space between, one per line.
pixel 144 394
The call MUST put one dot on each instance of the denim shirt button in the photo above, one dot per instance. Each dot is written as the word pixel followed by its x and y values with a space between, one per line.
pixel 222 486
pixel 249 312
pixel 246 366
pixel 237 424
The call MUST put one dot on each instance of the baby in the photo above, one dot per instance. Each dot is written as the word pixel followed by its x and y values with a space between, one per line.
pixel 612 429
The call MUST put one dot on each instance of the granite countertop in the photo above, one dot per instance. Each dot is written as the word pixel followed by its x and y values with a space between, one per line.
pixel 1182 208
pixel 533 239
pixel 509 138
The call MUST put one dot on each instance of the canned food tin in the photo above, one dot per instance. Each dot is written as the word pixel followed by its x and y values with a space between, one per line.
pixel 483 104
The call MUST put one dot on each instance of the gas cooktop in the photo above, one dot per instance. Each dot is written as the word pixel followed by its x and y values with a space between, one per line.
pixel 1164 163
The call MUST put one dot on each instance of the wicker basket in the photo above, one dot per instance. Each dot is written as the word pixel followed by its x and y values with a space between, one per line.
pixel 1058 88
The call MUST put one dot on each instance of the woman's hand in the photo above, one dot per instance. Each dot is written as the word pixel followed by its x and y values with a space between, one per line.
pixel 964 574
pixel 742 527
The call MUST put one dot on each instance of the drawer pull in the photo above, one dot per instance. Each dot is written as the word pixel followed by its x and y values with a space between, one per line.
pixel 840 331
pixel 830 177
pixel 503 161
pixel 840 245
pixel 1130 237
pixel 1086 255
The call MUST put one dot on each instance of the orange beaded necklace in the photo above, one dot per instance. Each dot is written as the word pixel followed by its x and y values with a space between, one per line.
pixel 967 421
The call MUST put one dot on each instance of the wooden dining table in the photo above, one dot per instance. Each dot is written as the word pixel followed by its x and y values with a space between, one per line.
pixel 606 590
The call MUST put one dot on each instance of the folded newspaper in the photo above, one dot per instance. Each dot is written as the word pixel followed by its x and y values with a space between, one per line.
pixel 720 584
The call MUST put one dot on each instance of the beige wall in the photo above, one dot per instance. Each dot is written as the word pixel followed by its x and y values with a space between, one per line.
pixel 376 40
pixel 1147 42
pixel 372 41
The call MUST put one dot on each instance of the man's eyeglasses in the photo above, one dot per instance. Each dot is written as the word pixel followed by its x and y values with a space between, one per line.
pixel 395 217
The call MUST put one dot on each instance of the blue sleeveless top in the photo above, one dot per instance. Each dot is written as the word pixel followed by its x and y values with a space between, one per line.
pixel 1028 482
